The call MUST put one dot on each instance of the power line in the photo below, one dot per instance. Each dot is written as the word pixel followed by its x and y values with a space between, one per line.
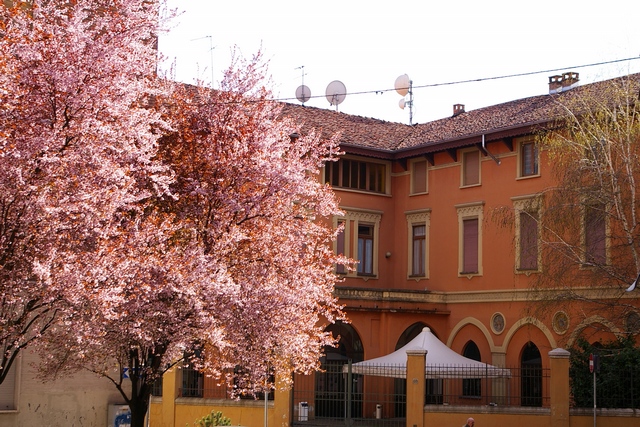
pixel 507 76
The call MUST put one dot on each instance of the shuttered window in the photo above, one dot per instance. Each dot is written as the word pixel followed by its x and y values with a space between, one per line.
pixel 419 250
pixel 528 241
pixel 595 235
pixel 470 246
pixel 471 168
pixel 419 177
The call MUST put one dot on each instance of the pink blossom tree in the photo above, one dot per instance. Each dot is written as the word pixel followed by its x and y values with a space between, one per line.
pixel 236 263
pixel 77 146
pixel 143 219
pixel 249 187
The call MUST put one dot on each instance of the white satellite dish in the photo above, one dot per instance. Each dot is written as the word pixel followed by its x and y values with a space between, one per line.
pixel 402 85
pixel 402 103
pixel 336 93
pixel 303 93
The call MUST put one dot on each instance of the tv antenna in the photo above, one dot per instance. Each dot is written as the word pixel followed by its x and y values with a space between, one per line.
pixel 303 93
pixel 211 47
pixel 336 93
pixel 404 86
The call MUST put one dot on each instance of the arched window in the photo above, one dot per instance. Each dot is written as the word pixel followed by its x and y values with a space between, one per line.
pixel 531 375
pixel 472 387
pixel 330 382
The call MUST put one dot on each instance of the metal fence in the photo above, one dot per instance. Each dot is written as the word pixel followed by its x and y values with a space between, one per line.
pixel 619 389
pixel 335 397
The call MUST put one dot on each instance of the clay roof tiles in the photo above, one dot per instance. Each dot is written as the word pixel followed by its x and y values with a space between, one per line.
pixel 399 140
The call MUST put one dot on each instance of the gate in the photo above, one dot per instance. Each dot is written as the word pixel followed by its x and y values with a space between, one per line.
pixel 334 397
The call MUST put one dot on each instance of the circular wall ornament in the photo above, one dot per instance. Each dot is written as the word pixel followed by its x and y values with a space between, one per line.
pixel 497 323
pixel 560 322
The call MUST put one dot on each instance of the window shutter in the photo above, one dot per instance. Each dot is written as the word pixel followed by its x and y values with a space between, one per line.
pixel 419 177
pixel 471 168
pixel 470 246
pixel 528 241
pixel 595 235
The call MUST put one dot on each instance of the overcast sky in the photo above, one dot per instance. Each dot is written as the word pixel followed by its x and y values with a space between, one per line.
pixel 367 44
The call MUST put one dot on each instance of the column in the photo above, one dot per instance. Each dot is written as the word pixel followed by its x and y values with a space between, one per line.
pixel 559 384
pixel 416 385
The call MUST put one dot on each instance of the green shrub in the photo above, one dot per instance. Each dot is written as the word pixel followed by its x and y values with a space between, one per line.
pixel 215 418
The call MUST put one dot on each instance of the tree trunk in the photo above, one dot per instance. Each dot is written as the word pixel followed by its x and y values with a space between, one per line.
pixel 138 408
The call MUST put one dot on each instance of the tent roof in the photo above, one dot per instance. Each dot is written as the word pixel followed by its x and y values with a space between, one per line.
pixel 441 362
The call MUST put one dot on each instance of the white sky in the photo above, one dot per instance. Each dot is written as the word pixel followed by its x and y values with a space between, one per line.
pixel 368 44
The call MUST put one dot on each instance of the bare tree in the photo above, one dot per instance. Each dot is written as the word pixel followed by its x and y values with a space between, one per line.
pixel 589 227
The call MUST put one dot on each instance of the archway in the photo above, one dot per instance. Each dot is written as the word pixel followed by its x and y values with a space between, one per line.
pixel 330 387
pixel 472 387
pixel 531 375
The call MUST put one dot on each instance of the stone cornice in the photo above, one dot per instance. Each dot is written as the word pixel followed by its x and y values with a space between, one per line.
pixel 345 294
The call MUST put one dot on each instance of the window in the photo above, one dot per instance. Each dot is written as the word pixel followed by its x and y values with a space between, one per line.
pixel 192 379
pixel 528 251
pixel 156 388
pixel 340 247
pixel 419 177
pixel 595 235
pixel 470 239
pixel 528 159
pixel 419 250
pixel 472 387
pixel 359 240
pixel 470 168
pixel 418 230
pixel 365 249
pixel 527 216
pixel 357 175
pixel 8 389
pixel 470 245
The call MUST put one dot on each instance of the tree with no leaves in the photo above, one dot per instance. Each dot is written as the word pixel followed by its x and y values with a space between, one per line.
pixel 589 222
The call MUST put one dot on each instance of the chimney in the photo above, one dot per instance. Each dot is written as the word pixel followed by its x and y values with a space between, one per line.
pixel 570 80
pixel 458 109
pixel 562 83
pixel 555 83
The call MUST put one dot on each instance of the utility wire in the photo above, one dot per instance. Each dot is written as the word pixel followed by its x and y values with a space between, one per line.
pixel 380 91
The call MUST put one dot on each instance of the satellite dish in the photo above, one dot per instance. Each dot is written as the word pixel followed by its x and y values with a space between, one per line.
pixel 402 103
pixel 336 93
pixel 403 84
pixel 303 93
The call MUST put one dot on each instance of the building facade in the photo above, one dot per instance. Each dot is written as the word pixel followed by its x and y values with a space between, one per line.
pixel 422 214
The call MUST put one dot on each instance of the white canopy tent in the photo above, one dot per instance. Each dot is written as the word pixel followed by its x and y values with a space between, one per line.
pixel 441 362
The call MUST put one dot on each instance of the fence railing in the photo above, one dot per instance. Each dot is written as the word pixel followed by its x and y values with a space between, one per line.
pixel 619 389
pixel 334 393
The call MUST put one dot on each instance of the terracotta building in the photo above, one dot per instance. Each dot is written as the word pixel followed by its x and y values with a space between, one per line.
pixel 420 206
